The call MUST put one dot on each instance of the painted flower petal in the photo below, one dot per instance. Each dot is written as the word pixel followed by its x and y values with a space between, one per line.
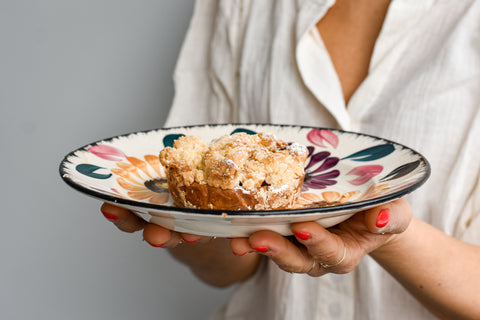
pixel 107 152
pixel 318 184
pixel 130 169
pixel 372 153
pixel 154 162
pixel 316 158
pixel 327 175
pixel 375 190
pixel 159 198
pixel 379 189
pixel 311 197
pixel 141 195
pixel 169 139
pixel 90 170
pixel 318 136
pixel 350 196
pixel 308 200
pixel 327 164
pixel 401 171
pixel 331 196
pixel 310 150
pixel 140 164
pixel 247 131
pixel 127 185
pixel 301 203
pixel 320 181
pixel 364 173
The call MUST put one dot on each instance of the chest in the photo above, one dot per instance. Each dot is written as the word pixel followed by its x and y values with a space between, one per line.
pixel 349 30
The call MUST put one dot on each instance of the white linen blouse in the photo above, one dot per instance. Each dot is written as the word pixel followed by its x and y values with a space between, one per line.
pixel 264 62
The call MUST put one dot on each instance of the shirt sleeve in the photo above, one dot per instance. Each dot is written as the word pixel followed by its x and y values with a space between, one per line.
pixel 205 76
pixel 191 71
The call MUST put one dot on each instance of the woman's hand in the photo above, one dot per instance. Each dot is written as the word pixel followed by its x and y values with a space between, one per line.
pixel 155 235
pixel 314 249
pixel 317 251
pixel 210 259
pixel 440 271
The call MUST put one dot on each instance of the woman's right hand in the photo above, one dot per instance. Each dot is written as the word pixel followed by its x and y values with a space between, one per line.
pixel 155 235
pixel 210 259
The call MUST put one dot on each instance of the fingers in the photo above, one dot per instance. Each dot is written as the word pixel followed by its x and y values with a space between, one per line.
pixel 279 249
pixel 155 235
pixel 160 237
pixel 333 250
pixel 326 249
pixel 122 218
pixel 316 250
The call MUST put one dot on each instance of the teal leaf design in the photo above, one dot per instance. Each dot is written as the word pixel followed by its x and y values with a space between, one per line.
pixel 169 139
pixel 401 171
pixel 89 170
pixel 247 131
pixel 372 153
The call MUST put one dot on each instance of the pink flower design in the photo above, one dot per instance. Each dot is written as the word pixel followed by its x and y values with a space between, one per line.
pixel 364 173
pixel 319 136
pixel 107 152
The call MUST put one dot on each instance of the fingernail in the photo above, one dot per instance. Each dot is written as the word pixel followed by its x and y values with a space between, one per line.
pixel 189 242
pixel 383 218
pixel 109 216
pixel 302 235
pixel 156 245
pixel 261 249
pixel 240 254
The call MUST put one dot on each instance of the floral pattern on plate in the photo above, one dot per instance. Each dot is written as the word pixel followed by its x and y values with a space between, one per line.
pixel 345 172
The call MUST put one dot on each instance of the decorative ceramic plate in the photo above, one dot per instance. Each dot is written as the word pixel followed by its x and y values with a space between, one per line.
pixel 346 172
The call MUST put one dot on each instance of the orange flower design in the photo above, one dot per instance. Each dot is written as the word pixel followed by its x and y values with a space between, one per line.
pixel 142 179
pixel 326 198
pixel 331 198
pixel 375 190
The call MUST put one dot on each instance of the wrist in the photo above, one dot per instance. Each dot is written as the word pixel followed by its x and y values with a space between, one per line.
pixel 395 241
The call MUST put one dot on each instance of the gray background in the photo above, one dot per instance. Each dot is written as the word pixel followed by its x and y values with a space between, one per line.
pixel 72 72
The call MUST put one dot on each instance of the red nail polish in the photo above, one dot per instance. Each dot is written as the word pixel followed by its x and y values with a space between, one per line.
pixel 240 254
pixel 302 235
pixel 261 249
pixel 109 216
pixel 189 242
pixel 156 245
pixel 383 218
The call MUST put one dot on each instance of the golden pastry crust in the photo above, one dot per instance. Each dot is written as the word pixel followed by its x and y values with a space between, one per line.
pixel 235 172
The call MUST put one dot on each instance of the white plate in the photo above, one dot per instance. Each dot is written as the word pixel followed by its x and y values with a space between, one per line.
pixel 346 172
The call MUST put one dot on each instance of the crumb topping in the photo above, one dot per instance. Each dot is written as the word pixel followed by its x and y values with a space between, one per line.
pixel 241 161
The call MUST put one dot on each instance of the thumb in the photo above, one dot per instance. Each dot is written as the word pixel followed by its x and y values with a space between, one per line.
pixel 393 217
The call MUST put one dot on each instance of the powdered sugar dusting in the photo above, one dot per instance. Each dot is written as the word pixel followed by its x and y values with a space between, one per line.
pixel 297 148
pixel 244 191
pixel 230 162
pixel 282 188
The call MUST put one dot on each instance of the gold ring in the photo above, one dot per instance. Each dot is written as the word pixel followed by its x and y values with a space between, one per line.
pixel 313 266
pixel 326 266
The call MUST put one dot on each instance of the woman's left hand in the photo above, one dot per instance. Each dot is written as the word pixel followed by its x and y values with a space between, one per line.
pixel 317 251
